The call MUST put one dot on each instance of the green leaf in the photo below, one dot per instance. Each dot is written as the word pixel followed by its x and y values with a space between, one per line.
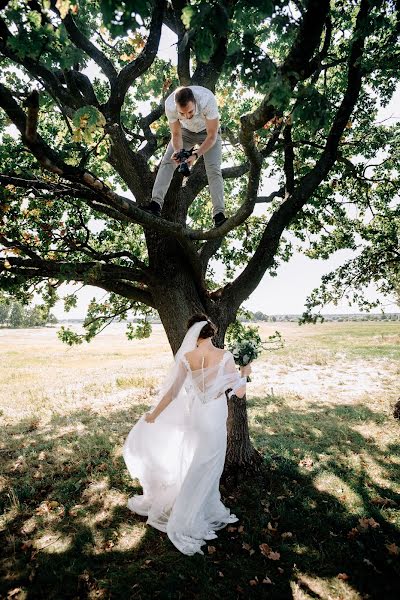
pixel 187 14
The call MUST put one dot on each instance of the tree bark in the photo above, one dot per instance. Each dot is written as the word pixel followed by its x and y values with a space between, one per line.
pixel 177 299
pixel 241 456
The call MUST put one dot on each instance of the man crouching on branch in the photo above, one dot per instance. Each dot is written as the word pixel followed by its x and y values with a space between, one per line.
pixel 193 118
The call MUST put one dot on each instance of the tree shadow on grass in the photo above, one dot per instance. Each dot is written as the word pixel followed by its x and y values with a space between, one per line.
pixel 96 548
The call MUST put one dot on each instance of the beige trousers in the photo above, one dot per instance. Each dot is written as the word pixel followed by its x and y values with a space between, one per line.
pixel 212 163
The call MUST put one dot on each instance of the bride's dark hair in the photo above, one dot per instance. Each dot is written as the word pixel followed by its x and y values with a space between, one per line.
pixel 209 330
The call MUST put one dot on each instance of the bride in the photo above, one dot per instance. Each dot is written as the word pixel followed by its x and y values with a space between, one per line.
pixel 177 450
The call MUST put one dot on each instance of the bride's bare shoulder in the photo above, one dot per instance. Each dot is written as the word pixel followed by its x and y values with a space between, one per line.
pixel 220 351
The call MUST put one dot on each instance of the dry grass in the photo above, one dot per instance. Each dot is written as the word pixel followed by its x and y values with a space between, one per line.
pixel 319 410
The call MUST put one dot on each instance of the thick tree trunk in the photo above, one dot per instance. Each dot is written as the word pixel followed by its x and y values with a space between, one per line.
pixel 177 298
pixel 240 454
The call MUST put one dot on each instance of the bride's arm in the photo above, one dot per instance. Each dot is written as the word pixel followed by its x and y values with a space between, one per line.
pixel 169 396
pixel 239 385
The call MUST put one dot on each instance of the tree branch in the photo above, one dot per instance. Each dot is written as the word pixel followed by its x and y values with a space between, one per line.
pixel 137 67
pixel 37 70
pixel 144 123
pixel 82 42
pixel 289 158
pixel 296 64
pixel 173 20
pixel 82 85
pixel 90 272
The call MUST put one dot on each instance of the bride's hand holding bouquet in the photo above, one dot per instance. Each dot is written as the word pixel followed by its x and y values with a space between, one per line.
pixel 246 345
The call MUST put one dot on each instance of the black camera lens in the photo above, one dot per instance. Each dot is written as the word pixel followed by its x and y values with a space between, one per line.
pixel 184 169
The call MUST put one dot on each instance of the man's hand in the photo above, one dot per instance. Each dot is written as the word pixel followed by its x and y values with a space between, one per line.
pixel 191 160
pixel 149 418
pixel 175 159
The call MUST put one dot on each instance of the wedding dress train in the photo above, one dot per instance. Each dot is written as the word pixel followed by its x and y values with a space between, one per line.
pixel 180 457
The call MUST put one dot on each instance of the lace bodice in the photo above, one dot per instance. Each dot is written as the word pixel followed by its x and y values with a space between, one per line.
pixel 210 383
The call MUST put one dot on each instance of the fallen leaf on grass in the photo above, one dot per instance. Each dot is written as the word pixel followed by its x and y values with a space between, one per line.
pixel 383 502
pixel 365 523
pixel 393 549
pixel 42 509
pixel 26 545
pixel 265 549
pixel 253 581
pixel 220 573
pixel 211 549
pixel 268 552
pixel 266 580
pixel 286 534
pixel 343 576
pixel 249 548
pixel 16 591
pixel 272 528
pixel 353 533
pixel 307 463
pixel 108 545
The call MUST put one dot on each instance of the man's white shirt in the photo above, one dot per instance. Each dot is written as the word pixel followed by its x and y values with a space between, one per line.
pixel 206 108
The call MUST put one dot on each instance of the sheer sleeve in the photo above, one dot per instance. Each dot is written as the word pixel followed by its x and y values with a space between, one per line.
pixel 236 382
pixel 178 382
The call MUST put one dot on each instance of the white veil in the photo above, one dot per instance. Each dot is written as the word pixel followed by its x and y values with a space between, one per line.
pixel 161 453
pixel 188 344
pixel 156 453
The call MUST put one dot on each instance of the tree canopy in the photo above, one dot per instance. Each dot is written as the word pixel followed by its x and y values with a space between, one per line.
pixel 298 84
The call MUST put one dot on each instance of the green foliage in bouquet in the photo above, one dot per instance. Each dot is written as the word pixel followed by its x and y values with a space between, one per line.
pixel 246 345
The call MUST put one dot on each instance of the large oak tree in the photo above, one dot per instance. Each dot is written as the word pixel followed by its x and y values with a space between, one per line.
pixel 83 84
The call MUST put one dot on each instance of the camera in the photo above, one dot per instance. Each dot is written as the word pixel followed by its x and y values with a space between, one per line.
pixel 182 156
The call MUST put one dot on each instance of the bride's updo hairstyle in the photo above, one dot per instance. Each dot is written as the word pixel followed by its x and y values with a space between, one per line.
pixel 209 330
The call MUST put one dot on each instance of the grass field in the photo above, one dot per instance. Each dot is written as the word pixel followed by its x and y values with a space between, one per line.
pixel 322 522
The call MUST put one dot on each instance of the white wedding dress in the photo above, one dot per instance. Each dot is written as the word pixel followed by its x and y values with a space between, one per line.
pixel 180 457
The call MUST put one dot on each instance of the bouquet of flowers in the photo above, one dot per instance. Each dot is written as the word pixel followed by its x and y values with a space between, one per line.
pixel 245 343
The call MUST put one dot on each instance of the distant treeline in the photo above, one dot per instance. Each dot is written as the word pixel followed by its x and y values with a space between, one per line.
pixel 259 316
pixel 15 315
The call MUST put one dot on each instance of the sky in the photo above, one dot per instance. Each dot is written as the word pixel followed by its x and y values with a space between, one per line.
pixel 284 294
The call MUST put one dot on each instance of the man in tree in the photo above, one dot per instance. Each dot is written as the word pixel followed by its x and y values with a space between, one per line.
pixel 193 119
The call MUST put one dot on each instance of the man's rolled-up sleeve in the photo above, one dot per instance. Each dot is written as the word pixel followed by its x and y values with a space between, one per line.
pixel 210 110
pixel 172 116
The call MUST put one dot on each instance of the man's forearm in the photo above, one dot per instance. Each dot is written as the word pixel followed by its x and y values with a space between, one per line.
pixel 207 144
pixel 177 142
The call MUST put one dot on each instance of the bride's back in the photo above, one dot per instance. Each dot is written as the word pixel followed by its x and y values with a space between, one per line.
pixel 204 357
pixel 207 365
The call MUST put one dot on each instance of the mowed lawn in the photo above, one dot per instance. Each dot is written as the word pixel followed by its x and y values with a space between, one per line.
pixel 321 521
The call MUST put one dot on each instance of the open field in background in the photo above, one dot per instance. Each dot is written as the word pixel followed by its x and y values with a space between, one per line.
pixel 320 409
